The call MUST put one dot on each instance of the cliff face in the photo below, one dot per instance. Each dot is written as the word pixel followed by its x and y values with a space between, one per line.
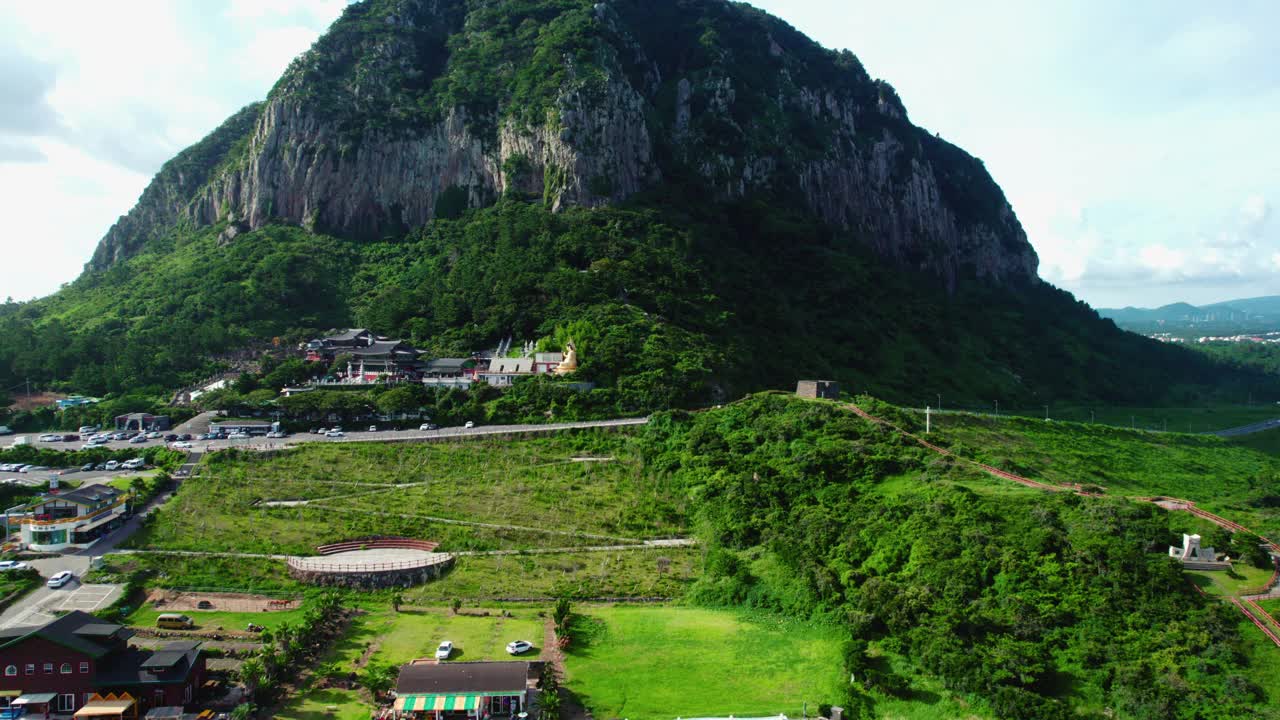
pixel 412 109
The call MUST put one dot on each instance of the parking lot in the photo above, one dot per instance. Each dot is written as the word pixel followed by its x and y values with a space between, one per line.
pixel 45 603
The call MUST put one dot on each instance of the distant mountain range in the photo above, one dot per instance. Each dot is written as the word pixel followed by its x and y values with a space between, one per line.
pixel 1245 313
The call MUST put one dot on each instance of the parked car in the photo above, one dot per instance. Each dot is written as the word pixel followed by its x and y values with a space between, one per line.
pixel 6 565
pixel 137 439
pixel 153 435
pixel 335 434
pixel 170 437
pixel 5 430
pixel 87 467
pixel 88 429
pixel 469 425
pixel 72 437
pixel 428 426
pixel 180 445
pixel 515 647
pixel 444 651
pixel 315 431
pixel 113 465
pixel 277 434
pixel 61 579
pixel 238 436
pixel 33 468
pixel 185 437
pixel 100 467
pixel 133 464
pixel 373 428
pixel 50 437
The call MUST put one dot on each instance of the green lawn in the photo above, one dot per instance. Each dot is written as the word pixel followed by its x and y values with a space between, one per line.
pixel 658 663
pixel 1220 583
pixel 145 617
pixel 15 584
pixel 657 572
pixel 1262 654
pixel 381 636
pixel 533 484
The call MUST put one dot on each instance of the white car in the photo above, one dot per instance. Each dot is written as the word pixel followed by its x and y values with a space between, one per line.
pixel 133 464
pixel 138 439
pixel 6 565
pixel 113 465
pixel 180 445
pixel 86 429
pixel 469 425
pixel 154 435
pixel 373 428
pixel 445 650
pixel 61 579
pixel 238 436
pixel 428 426
pixel 274 434
pixel 335 434
pixel 50 437
pixel 515 647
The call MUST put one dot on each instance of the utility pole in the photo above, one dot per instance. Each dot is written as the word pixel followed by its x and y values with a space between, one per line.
pixel 1046 413
pixel 939 402
pixel 1091 421
pixel 928 419
pixel 997 408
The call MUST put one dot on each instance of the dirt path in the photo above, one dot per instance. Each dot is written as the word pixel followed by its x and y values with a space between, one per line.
pixel 570 707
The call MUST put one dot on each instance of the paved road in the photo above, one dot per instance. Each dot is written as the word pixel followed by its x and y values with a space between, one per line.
pixel 361 434
pixel 1248 429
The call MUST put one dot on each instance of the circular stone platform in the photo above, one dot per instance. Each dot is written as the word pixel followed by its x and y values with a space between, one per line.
pixel 371 567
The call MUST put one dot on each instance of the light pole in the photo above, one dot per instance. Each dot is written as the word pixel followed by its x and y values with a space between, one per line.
pixel 1091 421
pixel 939 402
pixel 997 408
pixel 1046 413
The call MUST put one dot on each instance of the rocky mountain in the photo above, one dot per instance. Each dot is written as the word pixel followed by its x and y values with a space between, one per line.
pixel 410 110
pixel 703 199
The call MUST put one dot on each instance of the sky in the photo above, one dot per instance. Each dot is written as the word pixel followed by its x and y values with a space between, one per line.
pixel 1136 141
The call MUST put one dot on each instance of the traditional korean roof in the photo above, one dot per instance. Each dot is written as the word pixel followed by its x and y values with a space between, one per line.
pixel 441 365
pixel 511 366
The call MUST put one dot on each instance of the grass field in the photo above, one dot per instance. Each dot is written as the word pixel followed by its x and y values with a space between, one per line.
pixel 1220 583
pixel 1267 441
pixel 651 663
pixel 1229 479
pixel 538 486
pixel 384 637
pixel 658 572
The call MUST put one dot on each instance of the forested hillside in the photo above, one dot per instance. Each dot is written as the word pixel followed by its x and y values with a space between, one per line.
pixel 1033 605
pixel 668 309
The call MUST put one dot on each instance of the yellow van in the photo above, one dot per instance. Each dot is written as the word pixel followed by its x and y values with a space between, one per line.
pixel 174 621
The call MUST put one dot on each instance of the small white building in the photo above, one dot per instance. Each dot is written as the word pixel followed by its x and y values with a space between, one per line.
pixel 74 518
pixel 1195 557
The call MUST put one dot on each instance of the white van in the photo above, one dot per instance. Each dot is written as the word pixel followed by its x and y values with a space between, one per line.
pixel 133 464
pixel 113 465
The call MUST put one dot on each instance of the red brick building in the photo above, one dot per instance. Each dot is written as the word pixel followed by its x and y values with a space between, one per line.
pixel 78 655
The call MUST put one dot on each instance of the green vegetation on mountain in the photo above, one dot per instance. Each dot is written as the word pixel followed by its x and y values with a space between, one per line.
pixel 1222 475
pixel 1036 605
pixel 667 309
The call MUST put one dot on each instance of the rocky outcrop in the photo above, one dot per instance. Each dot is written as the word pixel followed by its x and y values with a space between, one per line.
pixel 343 145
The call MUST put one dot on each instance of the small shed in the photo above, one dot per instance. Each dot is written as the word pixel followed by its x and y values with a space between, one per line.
pixel 818 389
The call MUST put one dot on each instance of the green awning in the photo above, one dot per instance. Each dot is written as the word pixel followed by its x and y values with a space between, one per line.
pixel 439 703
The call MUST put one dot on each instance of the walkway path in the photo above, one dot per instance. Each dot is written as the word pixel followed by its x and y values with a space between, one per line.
pixel 1246 605
pixel 1247 429
pixel 645 545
